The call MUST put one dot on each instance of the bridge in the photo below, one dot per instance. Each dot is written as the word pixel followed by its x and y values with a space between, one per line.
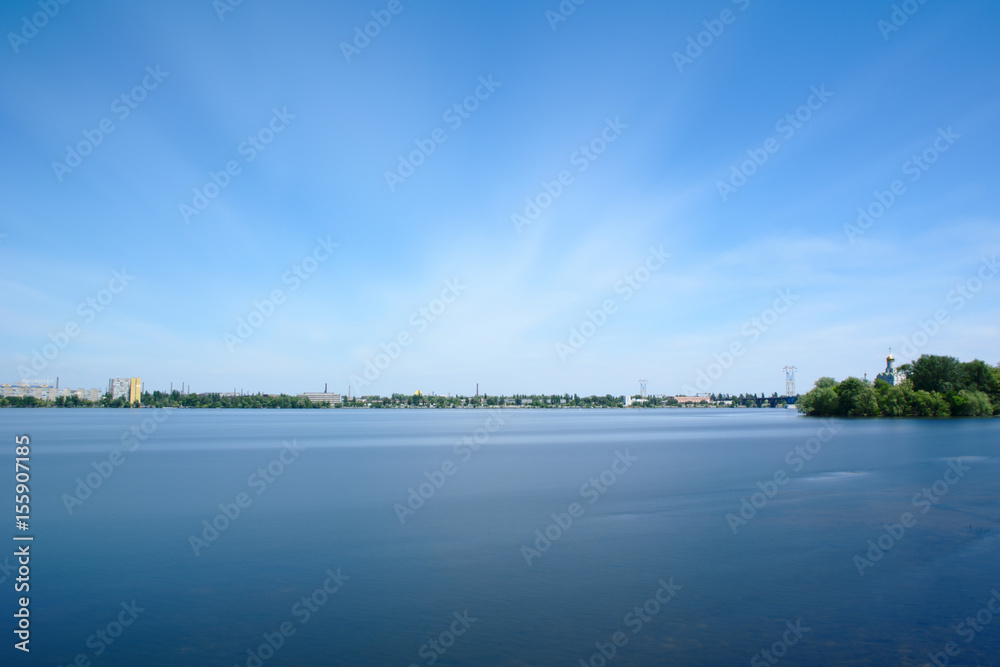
pixel 772 401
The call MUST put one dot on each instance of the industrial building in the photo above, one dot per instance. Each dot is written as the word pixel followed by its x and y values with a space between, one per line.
pixel 323 397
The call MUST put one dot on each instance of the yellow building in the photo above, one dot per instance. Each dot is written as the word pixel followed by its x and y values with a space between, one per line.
pixel 134 390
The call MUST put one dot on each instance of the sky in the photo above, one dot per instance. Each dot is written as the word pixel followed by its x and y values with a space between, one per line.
pixel 538 197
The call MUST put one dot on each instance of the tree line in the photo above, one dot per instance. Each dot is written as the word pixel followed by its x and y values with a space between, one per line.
pixel 934 386
pixel 159 399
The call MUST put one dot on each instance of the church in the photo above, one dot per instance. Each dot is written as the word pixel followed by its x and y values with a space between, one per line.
pixel 890 375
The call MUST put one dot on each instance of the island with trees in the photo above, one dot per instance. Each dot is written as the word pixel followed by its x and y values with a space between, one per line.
pixel 931 386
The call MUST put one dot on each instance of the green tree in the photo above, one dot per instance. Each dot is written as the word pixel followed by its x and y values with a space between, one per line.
pixel 979 376
pixel 941 406
pixel 972 403
pixel 819 402
pixel 857 398
pixel 825 382
pixel 898 401
pixel 922 404
pixel 937 374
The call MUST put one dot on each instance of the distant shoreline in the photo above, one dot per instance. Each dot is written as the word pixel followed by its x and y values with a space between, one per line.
pixel 328 401
pixel 402 407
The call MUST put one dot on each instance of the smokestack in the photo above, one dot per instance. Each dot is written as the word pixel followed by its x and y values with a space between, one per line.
pixel 324 387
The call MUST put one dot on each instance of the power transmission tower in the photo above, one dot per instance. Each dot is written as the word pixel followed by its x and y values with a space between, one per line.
pixel 642 388
pixel 790 380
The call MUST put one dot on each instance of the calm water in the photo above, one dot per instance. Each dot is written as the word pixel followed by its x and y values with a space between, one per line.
pixel 662 515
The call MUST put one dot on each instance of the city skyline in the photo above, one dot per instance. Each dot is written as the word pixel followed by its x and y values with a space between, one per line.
pixel 135 385
pixel 497 194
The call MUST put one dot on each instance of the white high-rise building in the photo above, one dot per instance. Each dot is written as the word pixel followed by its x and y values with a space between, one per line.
pixel 118 387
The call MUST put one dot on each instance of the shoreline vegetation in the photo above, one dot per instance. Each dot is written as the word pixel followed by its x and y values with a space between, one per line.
pixel 931 386
pixel 176 399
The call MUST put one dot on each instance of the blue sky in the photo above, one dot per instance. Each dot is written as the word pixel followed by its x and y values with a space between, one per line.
pixel 337 124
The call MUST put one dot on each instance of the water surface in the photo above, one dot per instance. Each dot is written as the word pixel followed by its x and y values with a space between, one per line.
pixel 335 504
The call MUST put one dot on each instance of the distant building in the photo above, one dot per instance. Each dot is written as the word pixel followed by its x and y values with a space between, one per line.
pixel 118 388
pixel 890 375
pixel 93 395
pixel 128 388
pixel 692 399
pixel 323 397
pixel 134 390
pixel 42 390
